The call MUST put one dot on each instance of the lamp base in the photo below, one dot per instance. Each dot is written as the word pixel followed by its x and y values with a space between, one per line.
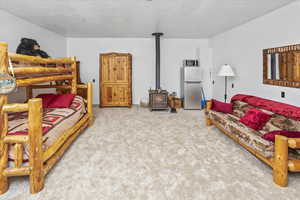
pixel 225 95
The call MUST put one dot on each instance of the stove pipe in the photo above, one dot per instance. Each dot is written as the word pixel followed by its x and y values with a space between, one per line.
pixel 157 46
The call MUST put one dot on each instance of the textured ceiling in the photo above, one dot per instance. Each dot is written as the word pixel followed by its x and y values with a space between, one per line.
pixel 139 18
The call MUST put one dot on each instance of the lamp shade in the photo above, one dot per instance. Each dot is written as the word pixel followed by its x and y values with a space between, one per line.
pixel 226 70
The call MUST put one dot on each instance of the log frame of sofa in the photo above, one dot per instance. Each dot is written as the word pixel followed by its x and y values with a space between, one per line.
pixel 280 163
pixel 40 162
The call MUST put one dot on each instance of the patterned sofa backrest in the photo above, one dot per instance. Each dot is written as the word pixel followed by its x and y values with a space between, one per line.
pixel 277 122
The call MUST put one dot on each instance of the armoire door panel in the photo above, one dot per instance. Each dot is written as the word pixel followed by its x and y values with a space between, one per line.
pixel 111 70
pixel 116 100
pixel 107 70
pixel 123 94
pixel 116 95
pixel 121 69
pixel 107 95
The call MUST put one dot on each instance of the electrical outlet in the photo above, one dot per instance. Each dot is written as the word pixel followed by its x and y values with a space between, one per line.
pixel 282 94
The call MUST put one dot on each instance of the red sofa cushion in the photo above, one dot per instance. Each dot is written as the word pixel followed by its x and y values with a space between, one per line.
pixel 46 99
pixel 221 107
pixel 255 119
pixel 61 101
pixel 290 134
pixel 286 110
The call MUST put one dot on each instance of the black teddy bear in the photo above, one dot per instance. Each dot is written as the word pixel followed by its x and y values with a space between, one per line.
pixel 30 47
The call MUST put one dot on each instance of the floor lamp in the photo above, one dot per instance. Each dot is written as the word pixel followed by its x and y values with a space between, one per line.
pixel 226 71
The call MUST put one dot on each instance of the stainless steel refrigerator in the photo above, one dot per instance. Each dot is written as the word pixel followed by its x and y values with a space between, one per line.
pixel 191 87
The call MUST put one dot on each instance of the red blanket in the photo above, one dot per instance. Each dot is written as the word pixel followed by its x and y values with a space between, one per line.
pixel 273 106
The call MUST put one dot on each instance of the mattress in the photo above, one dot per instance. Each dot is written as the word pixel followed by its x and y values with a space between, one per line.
pixel 55 122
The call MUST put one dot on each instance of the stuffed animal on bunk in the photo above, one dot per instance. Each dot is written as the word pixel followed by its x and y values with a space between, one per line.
pixel 31 47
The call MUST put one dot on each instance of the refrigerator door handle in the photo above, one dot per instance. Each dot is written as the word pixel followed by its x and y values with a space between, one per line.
pixel 193 82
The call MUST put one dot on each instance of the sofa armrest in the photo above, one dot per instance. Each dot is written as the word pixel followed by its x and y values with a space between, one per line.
pixel 208 105
pixel 208 108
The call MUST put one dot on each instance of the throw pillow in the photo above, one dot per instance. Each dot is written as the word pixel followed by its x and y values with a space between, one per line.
pixel 61 101
pixel 255 119
pixel 46 99
pixel 270 136
pixel 221 107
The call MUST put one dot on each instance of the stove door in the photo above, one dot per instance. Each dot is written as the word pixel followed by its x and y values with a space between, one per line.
pixel 158 101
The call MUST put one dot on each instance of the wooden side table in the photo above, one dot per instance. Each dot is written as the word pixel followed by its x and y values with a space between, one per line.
pixel 177 102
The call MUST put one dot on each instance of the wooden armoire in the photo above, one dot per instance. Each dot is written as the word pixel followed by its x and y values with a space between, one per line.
pixel 115 80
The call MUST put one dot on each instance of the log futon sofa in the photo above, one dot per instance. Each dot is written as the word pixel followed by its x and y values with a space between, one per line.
pixel 30 156
pixel 283 155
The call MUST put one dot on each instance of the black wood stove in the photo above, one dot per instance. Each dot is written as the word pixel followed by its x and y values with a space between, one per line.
pixel 158 98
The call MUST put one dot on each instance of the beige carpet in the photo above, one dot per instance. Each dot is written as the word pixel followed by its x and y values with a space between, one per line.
pixel 136 154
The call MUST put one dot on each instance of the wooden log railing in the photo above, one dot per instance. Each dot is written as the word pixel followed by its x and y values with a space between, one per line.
pixel 12 139
pixel 26 68
pixel 37 70
pixel 32 70
pixel 17 107
pixel 33 139
pixel 38 60
pixel 41 70
pixel 49 86
pixel 22 171
pixel 36 80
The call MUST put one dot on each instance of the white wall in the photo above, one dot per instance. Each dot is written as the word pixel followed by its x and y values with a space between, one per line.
pixel 14 28
pixel 242 48
pixel 173 51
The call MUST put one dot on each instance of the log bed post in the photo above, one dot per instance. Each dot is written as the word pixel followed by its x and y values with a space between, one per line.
pixel 90 102
pixel 29 92
pixel 36 176
pixel 280 165
pixel 3 146
pixel 3 122
pixel 208 108
pixel 74 76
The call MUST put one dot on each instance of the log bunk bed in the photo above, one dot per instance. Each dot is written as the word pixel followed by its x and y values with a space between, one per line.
pixel 29 72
